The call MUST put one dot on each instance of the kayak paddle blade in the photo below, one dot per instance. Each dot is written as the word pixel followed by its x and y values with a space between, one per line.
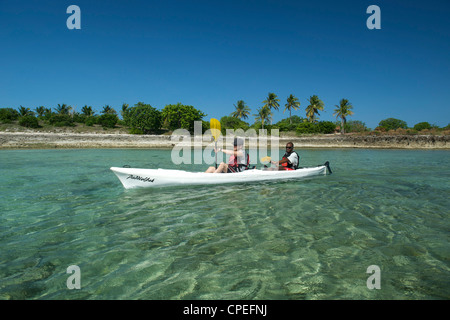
pixel 215 128
pixel 266 159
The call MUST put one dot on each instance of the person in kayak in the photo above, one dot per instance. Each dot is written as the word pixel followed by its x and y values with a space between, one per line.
pixel 238 161
pixel 289 161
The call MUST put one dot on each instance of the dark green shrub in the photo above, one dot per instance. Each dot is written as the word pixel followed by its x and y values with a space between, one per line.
pixel 258 126
pixel 307 127
pixel 286 125
pixel 29 122
pixel 392 124
pixel 422 126
pixel 8 115
pixel 178 116
pixel 205 126
pixel 108 120
pixel 326 127
pixel 144 117
pixel 233 123
pixel 79 118
pixel 90 121
pixel 135 131
pixel 355 126
pixel 61 120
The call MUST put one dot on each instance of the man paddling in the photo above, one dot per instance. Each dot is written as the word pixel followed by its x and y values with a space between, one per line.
pixel 289 161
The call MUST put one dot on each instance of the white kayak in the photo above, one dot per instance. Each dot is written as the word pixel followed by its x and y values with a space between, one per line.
pixel 145 178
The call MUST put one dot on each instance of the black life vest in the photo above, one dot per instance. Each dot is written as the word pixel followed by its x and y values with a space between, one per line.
pixel 233 162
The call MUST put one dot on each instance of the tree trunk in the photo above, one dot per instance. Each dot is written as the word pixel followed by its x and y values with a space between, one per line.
pixel 343 126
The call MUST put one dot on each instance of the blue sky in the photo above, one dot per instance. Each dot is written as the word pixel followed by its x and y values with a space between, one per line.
pixel 210 54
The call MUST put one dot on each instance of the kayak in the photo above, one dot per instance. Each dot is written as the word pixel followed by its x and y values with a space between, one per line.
pixel 147 178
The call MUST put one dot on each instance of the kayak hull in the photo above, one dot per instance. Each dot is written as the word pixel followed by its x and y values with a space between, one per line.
pixel 151 178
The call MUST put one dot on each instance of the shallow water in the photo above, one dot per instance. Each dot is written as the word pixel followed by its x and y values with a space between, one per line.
pixel 309 239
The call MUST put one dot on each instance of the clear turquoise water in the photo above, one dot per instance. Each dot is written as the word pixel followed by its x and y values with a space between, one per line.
pixel 310 239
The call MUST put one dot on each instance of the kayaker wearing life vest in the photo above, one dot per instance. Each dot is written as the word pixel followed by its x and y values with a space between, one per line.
pixel 238 161
pixel 290 159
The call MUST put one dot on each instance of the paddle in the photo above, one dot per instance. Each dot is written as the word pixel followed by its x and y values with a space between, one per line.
pixel 266 159
pixel 327 164
pixel 215 131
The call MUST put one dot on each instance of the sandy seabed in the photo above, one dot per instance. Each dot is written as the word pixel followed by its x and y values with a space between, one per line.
pixel 46 140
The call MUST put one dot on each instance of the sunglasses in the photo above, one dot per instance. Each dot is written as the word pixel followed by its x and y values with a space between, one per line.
pixel 289 147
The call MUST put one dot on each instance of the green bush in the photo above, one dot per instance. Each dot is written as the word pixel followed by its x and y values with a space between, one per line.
pixel 205 126
pixel 145 118
pixel 307 127
pixel 108 120
pixel 422 126
pixel 326 127
pixel 286 125
pixel 29 121
pixel 79 118
pixel 61 120
pixel 178 116
pixel 47 115
pixel 8 115
pixel 135 131
pixel 392 124
pixel 269 127
pixel 233 123
pixel 90 121
pixel 355 126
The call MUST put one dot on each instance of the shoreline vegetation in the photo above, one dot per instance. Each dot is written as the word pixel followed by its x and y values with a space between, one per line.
pixel 77 140
pixel 143 126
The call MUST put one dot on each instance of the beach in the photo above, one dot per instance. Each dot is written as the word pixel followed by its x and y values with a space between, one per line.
pixel 62 140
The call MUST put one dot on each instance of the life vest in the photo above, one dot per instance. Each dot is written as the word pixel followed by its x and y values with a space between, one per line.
pixel 235 165
pixel 288 165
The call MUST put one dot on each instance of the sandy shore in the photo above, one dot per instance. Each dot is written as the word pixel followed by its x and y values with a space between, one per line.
pixel 39 140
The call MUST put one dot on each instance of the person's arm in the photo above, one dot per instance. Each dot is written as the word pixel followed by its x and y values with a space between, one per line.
pixel 280 162
pixel 238 153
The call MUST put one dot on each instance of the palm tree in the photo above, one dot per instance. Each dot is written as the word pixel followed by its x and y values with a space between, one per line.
pixel 125 108
pixel 47 112
pixel 343 110
pixel 25 111
pixel 271 102
pixel 242 111
pixel 263 114
pixel 292 103
pixel 315 105
pixel 126 113
pixel 40 111
pixel 87 111
pixel 63 108
pixel 108 110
